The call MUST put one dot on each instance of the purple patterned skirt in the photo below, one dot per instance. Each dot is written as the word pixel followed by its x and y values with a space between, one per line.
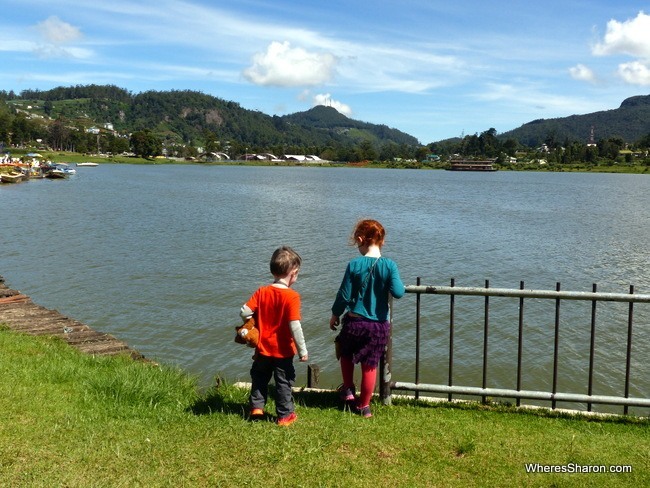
pixel 363 340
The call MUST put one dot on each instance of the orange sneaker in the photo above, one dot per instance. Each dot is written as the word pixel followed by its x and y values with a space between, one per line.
pixel 288 420
pixel 257 412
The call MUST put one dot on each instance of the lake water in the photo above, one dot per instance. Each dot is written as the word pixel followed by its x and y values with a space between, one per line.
pixel 164 256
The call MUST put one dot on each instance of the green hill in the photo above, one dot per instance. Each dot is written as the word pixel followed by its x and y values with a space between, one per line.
pixel 185 118
pixel 329 120
pixel 630 122
pixel 190 117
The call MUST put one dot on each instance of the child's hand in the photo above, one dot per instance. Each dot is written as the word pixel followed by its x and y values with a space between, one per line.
pixel 304 358
pixel 334 322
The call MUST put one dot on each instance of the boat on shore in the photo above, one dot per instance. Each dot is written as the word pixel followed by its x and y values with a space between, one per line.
pixel 13 177
pixel 470 165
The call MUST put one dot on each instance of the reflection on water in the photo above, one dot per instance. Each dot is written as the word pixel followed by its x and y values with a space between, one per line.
pixel 164 256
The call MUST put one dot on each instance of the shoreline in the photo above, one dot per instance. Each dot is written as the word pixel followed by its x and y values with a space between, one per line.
pixel 19 313
pixel 610 167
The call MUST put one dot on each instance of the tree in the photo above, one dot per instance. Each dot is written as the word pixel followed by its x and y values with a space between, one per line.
pixel 24 130
pixel 421 153
pixel 5 124
pixel 610 148
pixel 644 142
pixel 389 151
pixel 145 144
pixel 329 154
pixel 81 142
pixel 47 107
pixel 510 147
pixel 58 135
pixel 471 146
pixel 489 143
pixel 366 151
pixel 117 145
pixel 211 142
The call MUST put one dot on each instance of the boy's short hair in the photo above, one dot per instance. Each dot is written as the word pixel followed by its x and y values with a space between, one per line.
pixel 284 260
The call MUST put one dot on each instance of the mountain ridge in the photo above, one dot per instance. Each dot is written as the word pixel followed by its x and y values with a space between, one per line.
pixel 184 116
pixel 630 122
pixel 187 117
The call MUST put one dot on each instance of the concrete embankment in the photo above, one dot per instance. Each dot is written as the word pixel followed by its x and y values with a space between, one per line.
pixel 21 314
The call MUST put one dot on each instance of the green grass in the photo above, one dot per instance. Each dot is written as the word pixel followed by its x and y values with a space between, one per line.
pixel 69 419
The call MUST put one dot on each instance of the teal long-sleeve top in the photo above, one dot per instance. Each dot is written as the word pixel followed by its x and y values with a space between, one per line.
pixel 383 280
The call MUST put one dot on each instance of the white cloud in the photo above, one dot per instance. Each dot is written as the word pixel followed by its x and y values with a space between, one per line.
pixel 534 98
pixel 631 37
pixel 326 99
pixel 582 73
pixel 635 73
pixel 57 32
pixel 52 51
pixel 282 65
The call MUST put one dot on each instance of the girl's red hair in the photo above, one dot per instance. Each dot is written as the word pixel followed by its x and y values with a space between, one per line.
pixel 370 231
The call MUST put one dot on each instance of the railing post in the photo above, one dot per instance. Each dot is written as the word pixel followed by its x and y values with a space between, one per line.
pixel 417 340
pixel 630 316
pixel 313 375
pixel 451 339
pixel 385 363
pixel 556 345
pixel 520 341
pixel 592 342
pixel 486 319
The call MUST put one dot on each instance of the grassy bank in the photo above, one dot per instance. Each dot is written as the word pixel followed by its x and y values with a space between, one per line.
pixel 69 419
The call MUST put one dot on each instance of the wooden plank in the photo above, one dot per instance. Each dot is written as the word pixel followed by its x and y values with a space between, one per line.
pixel 19 313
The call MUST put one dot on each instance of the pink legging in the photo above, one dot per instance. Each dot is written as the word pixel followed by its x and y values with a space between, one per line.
pixel 368 379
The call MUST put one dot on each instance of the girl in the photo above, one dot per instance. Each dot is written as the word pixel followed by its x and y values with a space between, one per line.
pixel 364 293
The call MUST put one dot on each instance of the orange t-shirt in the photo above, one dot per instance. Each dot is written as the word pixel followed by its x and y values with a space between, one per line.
pixel 274 307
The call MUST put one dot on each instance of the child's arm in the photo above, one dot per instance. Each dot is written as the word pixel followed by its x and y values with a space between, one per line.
pixel 245 313
pixel 344 294
pixel 397 288
pixel 299 339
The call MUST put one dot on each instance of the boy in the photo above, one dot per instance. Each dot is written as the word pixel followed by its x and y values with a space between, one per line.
pixel 276 308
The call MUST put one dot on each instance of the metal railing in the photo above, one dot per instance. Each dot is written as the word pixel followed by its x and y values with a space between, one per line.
pixel 387 384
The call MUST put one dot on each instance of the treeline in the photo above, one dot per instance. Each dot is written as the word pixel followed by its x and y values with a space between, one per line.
pixel 186 121
pixel 99 92
pixel 18 130
pixel 489 144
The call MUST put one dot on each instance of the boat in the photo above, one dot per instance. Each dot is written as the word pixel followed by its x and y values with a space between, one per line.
pixel 64 167
pixel 89 164
pixel 56 173
pixel 13 177
pixel 470 165
pixel 58 170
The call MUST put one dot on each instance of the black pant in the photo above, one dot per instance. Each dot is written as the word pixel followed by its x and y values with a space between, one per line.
pixel 283 372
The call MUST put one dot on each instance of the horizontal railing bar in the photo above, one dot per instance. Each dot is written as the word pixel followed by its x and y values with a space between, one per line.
pixel 513 292
pixel 533 395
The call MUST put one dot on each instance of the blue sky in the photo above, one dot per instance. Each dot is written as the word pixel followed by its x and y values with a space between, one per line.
pixel 434 69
